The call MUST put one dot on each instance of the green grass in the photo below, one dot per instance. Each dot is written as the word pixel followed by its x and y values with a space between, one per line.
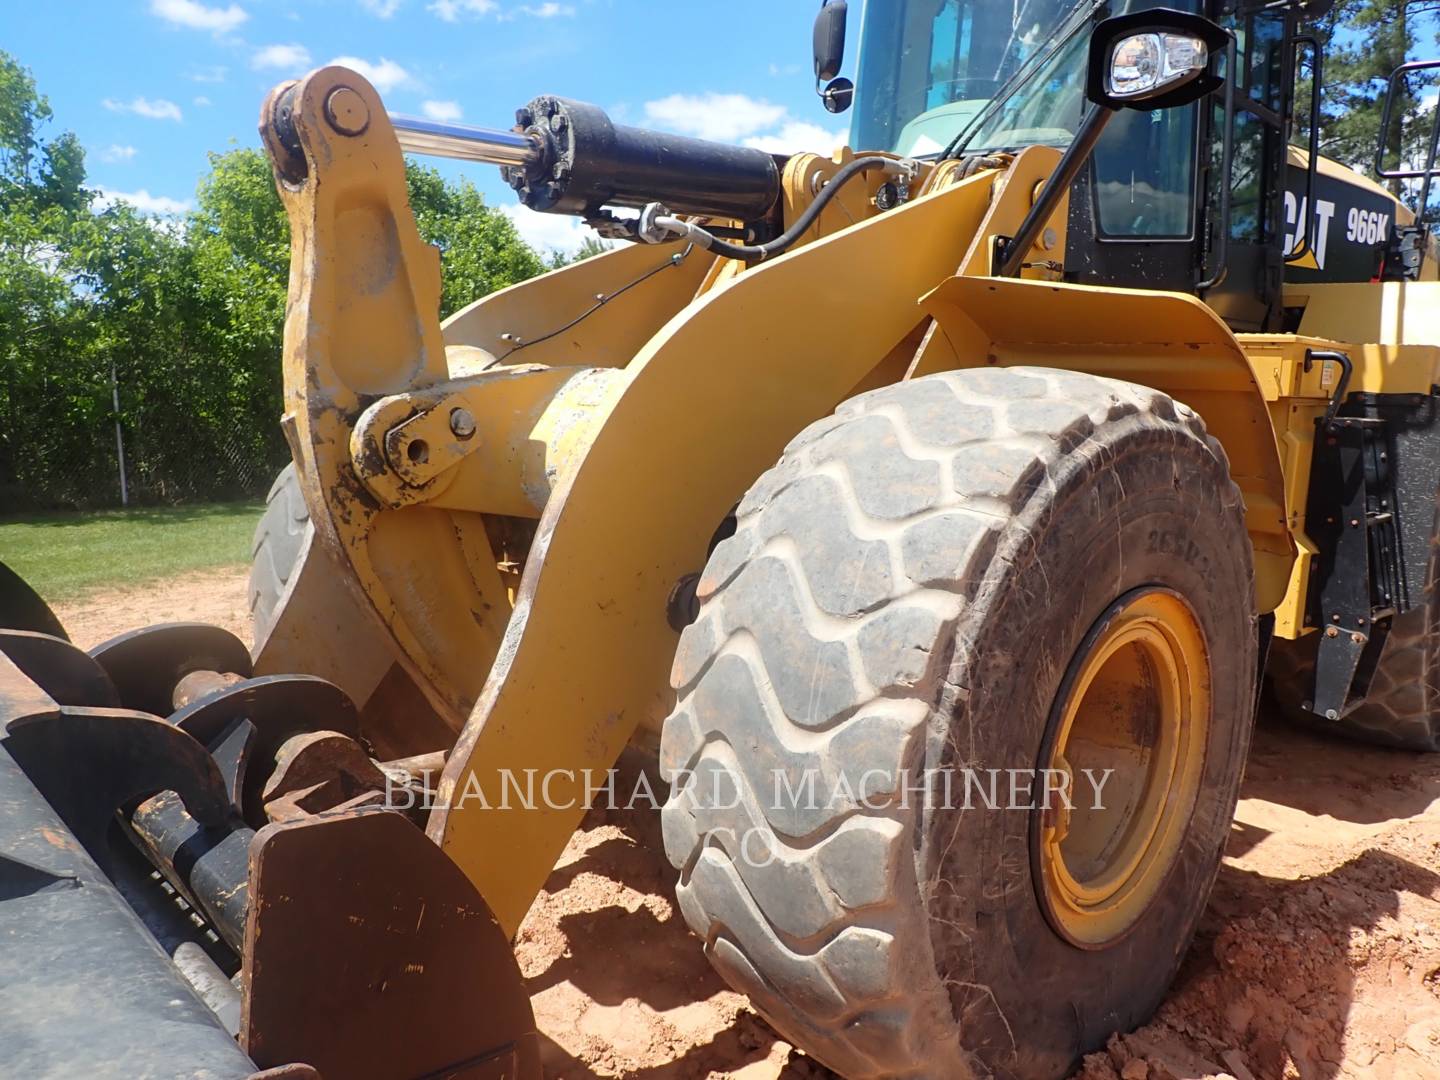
pixel 66 555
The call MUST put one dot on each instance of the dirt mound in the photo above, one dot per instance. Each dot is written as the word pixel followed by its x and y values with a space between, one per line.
pixel 1319 955
pixel 1318 958
pixel 219 597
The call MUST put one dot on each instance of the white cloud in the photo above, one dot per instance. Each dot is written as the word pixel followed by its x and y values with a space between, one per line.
pixel 796 136
pixel 159 109
pixel 381 9
pixel 385 75
pixel 116 154
pixel 451 10
pixel 548 232
pixel 213 74
pixel 448 111
pixel 201 102
pixel 738 118
pixel 197 16
pixel 548 10
pixel 290 57
pixel 721 117
pixel 142 200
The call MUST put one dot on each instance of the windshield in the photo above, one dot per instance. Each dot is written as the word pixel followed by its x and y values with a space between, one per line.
pixel 929 67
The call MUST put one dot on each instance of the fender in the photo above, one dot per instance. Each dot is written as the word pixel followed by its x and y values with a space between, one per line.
pixel 1169 341
pixel 711 403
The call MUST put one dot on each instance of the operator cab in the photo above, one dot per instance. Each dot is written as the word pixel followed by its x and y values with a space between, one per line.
pixel 1207 198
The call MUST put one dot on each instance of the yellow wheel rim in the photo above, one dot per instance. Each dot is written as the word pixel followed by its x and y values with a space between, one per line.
pixel 1126 750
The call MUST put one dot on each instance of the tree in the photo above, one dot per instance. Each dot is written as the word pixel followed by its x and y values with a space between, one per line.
pixel 480 250
pixel 1363 41
pixel 592 246
pixel 187 313
pixel 35 174
pixel 41 197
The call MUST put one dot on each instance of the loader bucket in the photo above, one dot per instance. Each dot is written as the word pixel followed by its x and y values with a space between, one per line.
pixel 220 889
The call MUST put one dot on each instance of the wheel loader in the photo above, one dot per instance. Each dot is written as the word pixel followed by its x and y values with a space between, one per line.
pixel 927 511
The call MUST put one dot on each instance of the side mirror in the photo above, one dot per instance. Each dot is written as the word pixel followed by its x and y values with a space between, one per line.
pixel 1154 59
pixel 838 95
pixel 829 40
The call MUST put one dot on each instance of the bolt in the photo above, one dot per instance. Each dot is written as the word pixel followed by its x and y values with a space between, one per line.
pixel 346 111
pixel 1354 523
pixel 1331 714
pixel 1330 631
pixel 462 424
pixel 1335 618
pixel 1358 639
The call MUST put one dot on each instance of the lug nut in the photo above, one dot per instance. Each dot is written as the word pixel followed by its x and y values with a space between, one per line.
pixel 346 111
pixel 462 424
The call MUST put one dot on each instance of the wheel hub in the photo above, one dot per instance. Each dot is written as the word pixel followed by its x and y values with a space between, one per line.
pixel 1125 747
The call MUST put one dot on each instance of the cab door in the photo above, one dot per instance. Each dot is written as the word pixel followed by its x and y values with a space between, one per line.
pixel 1134 211
pixel 1242 263
pixel 1151 211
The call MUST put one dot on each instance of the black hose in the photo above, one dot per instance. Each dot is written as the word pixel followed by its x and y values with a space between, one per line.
pixel 758 252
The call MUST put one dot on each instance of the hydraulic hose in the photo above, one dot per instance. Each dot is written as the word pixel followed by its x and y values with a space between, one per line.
pixel 663 226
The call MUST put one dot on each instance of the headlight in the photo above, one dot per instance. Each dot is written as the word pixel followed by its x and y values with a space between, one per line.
pixel 1142 64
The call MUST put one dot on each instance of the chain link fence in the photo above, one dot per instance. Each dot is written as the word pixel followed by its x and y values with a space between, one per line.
pixel 78 457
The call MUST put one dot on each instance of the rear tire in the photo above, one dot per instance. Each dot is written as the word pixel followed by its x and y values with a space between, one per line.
pixel 905 591
pixel 1402 709
pixel 275 551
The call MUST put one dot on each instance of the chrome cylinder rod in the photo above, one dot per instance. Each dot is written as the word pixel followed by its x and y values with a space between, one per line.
pixel 463 142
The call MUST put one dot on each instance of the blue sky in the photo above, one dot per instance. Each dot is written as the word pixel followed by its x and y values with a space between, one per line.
pixel 150 86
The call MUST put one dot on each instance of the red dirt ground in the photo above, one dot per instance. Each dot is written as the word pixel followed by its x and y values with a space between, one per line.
pixel 1319 956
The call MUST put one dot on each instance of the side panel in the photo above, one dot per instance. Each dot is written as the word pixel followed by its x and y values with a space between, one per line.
pixel 1166 340
pixel 1299 394
pixel 1351 224
pixel 1382 313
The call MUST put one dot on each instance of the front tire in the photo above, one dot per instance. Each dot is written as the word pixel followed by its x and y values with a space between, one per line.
pixel 904 596
pixel 275 550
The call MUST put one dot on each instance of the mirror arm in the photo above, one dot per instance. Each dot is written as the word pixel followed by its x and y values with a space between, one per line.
pixel 1011 256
